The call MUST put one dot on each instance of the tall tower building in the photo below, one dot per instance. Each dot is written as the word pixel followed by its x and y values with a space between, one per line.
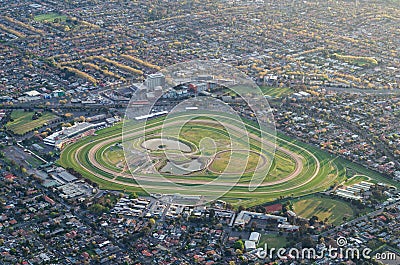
pixel 155 80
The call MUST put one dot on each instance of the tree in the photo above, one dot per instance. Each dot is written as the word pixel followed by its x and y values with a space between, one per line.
pixel 98 208
pixel 308 242
pixel 239 245
pixel 133 195
pixel 313 219
pixel 146 230
pixel 211 214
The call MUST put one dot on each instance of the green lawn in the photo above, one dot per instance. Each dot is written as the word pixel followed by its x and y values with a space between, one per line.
pixel 332 209
pixel 232 161
pixel 272 241
pixel 355 180
pixel 50 17
pixel 114 155
pixel 276 92
pixel 33 161
pixel 282 165
pixel 194 133
pixel 22 121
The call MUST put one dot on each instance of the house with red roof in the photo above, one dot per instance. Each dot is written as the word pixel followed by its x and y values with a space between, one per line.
pixel 49 200
pixel 9 177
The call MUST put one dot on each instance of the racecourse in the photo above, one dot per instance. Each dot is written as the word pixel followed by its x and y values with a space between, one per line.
pixel 296 169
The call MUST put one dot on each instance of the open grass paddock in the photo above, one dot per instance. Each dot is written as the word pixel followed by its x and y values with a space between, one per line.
pixel 332 210
pixel 22 121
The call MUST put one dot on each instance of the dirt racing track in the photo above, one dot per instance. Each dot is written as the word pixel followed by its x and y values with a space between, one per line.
pixel 295 171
